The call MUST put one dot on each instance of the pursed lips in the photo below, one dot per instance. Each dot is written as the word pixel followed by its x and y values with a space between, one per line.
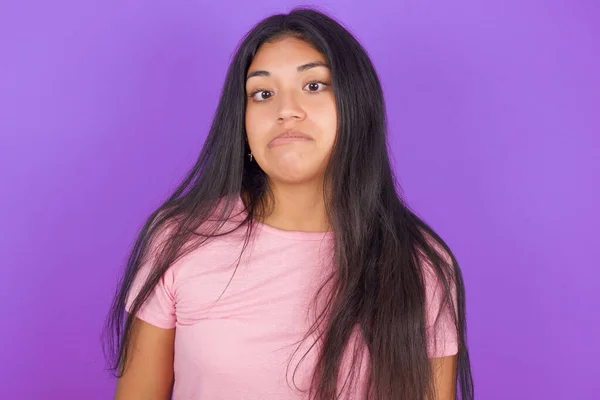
pixel 289 137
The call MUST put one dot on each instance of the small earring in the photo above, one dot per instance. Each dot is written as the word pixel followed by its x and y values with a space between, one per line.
pixel 250 154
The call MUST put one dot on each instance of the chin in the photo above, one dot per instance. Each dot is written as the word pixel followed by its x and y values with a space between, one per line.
pixel 290 178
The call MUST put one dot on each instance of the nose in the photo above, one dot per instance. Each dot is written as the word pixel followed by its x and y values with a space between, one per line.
pixel 289 107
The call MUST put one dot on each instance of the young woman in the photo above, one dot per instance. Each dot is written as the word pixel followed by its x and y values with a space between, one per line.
pixel 286 265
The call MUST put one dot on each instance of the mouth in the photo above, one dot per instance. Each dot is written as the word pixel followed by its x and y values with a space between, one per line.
pixel 289 137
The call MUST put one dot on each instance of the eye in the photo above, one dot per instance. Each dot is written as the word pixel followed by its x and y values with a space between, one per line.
pixel 313 86
pixel 263 95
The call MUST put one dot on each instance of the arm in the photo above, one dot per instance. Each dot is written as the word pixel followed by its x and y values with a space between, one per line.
pixel 444 377
pixel 149 370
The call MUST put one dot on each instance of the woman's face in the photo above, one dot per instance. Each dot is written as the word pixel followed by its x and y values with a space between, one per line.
pixel 289 91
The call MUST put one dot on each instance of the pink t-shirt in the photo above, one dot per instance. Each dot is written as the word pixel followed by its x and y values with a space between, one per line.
pixel 240 347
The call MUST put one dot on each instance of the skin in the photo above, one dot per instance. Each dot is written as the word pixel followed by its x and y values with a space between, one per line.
pixel 444 377
pixel 283 99
pixel 149 372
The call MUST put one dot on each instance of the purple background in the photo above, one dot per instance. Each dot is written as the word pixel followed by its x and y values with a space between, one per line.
pixel 494 122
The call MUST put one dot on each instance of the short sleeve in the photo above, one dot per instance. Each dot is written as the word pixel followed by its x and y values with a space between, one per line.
pixel 442 337
pixel 159 307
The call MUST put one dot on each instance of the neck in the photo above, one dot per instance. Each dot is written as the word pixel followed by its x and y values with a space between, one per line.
pixel 298 208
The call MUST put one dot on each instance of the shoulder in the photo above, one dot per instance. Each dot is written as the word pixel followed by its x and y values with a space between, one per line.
pixel 435 257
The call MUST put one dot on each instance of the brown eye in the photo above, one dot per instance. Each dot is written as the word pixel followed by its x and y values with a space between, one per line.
pixel 260 95
pixel 315 87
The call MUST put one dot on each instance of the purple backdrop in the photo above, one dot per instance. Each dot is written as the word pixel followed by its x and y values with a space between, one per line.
pixel 494 123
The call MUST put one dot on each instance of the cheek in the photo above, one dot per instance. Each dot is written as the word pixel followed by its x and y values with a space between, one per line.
pixel 325 117
pixel 256 124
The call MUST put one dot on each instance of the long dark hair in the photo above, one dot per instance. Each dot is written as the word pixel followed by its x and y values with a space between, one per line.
pixel 380 245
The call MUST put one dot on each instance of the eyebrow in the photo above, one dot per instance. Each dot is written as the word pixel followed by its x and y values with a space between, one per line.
pixel 301 68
